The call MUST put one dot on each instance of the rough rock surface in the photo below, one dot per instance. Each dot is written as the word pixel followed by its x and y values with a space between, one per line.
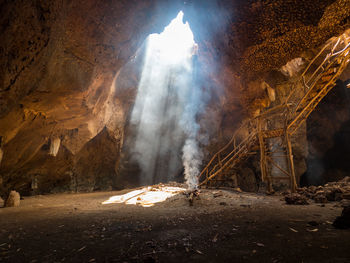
pixel 60 61
pixel 13 199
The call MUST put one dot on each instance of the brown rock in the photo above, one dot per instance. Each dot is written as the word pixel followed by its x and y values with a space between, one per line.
pixel 346 196
pixel 13 200
pixel 320 197
pixel 334 194
pixel 312 189
pixel 296 199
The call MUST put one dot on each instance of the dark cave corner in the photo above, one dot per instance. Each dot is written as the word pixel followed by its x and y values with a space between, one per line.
pixel 328 135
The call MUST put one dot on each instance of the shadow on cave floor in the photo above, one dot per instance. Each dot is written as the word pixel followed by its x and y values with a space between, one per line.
pixel 221 226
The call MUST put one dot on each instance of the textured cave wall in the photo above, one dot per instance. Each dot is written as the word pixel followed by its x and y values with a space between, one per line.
pixel 59 60
pixel 278 31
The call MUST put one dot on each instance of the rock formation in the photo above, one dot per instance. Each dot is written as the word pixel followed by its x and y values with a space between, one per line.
pixel 13 199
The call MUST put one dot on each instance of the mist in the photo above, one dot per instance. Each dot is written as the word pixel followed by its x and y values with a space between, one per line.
pixel 167 103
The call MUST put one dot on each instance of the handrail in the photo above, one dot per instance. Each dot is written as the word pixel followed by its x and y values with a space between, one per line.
pixel 313 60
pixel 240 149
pixel 303 99
pixel 225 147
pixel 227 155
pixel 329 83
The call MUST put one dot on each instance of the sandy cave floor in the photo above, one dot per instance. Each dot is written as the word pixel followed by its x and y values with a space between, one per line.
pixel 223 226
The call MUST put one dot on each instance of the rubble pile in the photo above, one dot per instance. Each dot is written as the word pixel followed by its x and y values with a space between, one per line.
pixel 333 191
pixel 296 199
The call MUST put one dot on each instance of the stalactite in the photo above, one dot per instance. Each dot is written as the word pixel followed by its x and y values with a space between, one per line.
pixel 55 146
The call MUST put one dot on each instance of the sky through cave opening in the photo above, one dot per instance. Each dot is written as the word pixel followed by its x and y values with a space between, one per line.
pixel 167 103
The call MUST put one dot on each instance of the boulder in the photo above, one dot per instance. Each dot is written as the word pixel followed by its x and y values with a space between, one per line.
pixel 13 200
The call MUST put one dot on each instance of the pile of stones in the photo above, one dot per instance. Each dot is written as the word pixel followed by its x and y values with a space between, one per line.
pixel 334 191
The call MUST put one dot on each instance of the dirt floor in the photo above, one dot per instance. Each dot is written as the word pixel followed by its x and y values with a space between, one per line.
pixel 223 226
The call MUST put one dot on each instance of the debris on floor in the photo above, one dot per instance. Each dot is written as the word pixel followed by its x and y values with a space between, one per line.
pixel 192 195
pixel 296 199
pixel 333 191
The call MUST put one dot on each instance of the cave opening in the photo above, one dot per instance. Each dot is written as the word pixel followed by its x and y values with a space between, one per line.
pixel 163 118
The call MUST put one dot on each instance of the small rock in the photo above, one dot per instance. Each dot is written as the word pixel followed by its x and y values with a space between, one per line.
pixel 217 194
pixel 312 189
pixel 334 194
pixel 320 197
pixel 296 199
pixel 13 200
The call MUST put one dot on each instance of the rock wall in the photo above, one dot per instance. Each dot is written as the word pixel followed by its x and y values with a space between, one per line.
pixel 60 59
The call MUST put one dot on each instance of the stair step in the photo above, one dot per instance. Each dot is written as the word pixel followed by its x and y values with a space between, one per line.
pixel 305 105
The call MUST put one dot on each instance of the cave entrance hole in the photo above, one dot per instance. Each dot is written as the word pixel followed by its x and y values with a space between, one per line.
pixel 163 118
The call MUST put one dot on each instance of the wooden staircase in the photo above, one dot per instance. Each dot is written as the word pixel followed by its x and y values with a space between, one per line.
pixel 317 80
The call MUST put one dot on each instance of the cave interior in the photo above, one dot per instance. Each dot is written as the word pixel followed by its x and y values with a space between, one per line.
pixel 166 130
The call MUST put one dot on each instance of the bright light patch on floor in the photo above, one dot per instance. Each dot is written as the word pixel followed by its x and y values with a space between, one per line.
pixel 145 197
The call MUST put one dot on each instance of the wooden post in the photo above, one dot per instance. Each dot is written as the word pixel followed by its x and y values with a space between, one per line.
pixel 263 169
pixel 235 182
pixel 293 184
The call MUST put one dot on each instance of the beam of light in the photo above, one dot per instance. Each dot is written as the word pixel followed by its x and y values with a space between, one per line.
pixel 166 105
pixel 145 197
